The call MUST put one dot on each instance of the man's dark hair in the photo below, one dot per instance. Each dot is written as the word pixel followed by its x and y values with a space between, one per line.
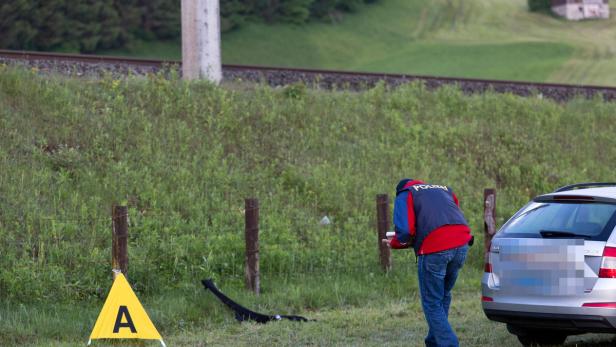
pixel 401 184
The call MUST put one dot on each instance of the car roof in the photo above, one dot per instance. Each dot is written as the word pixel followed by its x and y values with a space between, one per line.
pixel 602 193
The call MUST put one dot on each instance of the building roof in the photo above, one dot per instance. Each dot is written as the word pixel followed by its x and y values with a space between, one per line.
pixel 578 2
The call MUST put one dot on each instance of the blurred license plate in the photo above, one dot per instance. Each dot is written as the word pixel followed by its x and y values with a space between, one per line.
pixel 551 267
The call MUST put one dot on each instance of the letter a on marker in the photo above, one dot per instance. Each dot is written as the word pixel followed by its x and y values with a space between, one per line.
pixel 123 317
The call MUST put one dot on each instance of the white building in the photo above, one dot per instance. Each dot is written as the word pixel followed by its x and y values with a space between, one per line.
pixel 581 9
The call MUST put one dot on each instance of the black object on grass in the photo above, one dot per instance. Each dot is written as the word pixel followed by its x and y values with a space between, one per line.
pixel 244 314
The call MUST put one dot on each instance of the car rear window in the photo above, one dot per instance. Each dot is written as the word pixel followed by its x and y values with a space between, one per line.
pixel 589 220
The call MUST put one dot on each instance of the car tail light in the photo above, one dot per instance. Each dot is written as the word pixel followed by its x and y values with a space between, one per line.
pixel 608 264
pixel 486 299
pixel 600 304
pixel 488 266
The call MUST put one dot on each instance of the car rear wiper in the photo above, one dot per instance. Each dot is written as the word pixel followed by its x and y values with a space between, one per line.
pixel 556 233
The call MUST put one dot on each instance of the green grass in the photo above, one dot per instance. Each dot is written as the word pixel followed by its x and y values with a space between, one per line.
pixel 183 156
pixel 477 60
pixel 368 311
pixel 462 38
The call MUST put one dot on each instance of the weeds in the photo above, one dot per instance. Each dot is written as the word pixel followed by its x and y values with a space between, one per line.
pixel 183 156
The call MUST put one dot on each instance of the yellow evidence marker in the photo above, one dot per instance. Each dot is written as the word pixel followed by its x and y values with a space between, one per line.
pixel 123 317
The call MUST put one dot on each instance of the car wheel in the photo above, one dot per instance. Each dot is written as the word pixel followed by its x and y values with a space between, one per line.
pixel 542 339
pixel 528 337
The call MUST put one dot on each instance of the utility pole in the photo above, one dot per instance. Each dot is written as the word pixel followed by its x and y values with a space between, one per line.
pixel 201 40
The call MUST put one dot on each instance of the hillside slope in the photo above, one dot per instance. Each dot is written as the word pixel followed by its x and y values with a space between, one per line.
pixel 436 37
pixel 184 156
pixel 497 39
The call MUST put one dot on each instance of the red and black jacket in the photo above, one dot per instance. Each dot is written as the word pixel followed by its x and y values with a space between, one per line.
pixel 428 218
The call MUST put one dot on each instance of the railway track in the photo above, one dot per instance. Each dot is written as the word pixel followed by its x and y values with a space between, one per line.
pixel 95 65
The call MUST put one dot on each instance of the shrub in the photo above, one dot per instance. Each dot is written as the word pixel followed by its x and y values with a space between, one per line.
pixel 539 5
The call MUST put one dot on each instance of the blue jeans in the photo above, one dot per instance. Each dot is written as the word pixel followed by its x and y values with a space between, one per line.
pixel 437 274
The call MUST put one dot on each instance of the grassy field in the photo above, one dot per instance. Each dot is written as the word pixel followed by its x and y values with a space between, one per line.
pixel 183 156
pixel 497 39
pixel 380 311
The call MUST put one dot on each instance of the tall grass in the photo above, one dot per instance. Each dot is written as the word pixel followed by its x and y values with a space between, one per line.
pixel 183 156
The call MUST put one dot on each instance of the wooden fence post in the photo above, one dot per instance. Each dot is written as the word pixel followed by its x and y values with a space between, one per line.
pixel 489 218
pixel 119 249
pixel 252 245
pixel 382 212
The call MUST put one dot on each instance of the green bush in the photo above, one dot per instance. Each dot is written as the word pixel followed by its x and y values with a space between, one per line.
pixel 62 25
pixel 539 5
pixel 86 26
pixel 184 156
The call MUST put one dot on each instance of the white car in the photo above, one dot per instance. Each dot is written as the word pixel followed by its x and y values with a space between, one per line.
pixel 551 270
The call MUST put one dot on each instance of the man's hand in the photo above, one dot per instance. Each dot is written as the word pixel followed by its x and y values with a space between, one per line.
pixel 395 244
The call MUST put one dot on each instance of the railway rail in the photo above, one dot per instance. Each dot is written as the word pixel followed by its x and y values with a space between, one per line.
pixel 95 65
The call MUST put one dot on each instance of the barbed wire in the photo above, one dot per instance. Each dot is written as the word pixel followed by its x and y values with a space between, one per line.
pixel 41 223
pixel 168 214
